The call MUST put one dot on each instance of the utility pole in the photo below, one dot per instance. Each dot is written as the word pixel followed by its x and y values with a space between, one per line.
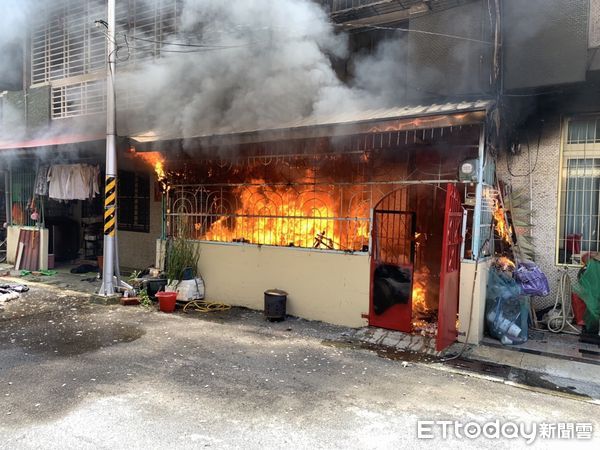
pixel 110 268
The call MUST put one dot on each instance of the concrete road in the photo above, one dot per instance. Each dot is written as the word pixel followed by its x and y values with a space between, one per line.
pixel 74 374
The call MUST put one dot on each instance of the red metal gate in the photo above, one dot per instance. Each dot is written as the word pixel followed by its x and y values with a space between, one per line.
pixel 392 263
pixel 450 269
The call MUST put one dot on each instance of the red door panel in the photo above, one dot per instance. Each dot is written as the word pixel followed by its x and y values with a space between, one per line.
pixel 392 264
pixel 450 269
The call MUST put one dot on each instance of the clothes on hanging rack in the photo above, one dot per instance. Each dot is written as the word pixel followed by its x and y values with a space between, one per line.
pixel 41 181
pixel 73 181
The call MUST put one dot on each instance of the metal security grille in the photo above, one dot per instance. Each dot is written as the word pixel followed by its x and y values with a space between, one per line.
pixel 394 230
pixel 78 99
pixel 342 5
pixel 349 10
pixel 579 213
pixel 22 198
pixel 584 131
pixel 68 52
pixel 64 41
pixel 134 202
pixel 147 24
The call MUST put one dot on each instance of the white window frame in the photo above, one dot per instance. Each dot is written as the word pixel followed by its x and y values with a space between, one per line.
pixel 578 151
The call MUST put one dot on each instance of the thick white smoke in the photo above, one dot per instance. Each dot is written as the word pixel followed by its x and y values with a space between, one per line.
pixel 264 64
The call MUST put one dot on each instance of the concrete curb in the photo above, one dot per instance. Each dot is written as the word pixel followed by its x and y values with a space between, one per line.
pixel 541 364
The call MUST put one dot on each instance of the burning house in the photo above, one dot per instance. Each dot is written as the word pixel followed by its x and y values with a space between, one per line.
pixel 359 218
pixel 353 163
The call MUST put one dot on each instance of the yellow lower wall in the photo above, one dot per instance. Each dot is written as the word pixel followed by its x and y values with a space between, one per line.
pixel 326 286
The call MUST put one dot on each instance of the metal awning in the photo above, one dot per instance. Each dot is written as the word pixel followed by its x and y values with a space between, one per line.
pixel 50 141
pixel 406 118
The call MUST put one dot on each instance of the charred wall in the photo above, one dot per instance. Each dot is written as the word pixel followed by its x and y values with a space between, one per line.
pixel 442 66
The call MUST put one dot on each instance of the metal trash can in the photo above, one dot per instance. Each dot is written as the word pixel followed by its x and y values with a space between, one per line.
pixel 275 303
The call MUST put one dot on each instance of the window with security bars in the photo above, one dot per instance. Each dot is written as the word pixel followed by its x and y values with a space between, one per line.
pixel 133 202
pixel 78 99
pixel 64 40
pixel 147 25
pixel 68 51
pixel 579 212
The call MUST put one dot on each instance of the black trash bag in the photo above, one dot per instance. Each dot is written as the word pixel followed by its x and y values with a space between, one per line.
pixel 392 285
pixel 85 268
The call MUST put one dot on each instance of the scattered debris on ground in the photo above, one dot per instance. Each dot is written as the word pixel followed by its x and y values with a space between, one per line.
pixel 10 292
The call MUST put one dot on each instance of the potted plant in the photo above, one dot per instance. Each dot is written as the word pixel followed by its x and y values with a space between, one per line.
pixel 182 269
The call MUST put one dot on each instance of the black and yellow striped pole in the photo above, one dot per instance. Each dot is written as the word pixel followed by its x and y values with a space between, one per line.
pixel 110 206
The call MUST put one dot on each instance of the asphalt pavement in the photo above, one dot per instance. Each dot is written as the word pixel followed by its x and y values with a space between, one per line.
pixel 76 374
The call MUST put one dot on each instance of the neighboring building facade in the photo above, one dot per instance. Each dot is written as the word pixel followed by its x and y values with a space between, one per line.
pixel 58 109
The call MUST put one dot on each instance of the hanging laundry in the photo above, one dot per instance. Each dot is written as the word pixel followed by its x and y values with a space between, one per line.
pixel 41 181
pixel 73 181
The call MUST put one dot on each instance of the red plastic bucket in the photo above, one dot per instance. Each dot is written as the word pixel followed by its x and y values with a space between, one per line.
pixel 166 301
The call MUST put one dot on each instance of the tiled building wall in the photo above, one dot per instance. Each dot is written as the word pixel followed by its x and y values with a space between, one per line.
pixel 545 164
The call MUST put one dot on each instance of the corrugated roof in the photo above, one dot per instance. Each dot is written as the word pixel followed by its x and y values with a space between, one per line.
pixel 390 113
pixel 50 141
pixel 339 118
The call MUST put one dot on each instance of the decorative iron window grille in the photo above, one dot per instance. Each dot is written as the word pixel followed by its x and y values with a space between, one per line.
pixel 326 216
pixel 579 208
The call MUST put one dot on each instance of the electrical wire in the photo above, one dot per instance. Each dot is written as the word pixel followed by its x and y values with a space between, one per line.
pixel 152 48
pixel 179 44
pixel 558 319
pixel 537 156
pixel 408 30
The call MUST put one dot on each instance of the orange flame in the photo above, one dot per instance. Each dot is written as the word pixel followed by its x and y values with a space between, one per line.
pixel 157 161
pixel 419 302
pixel 505 263
pixel 501 227
pixel 286 215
